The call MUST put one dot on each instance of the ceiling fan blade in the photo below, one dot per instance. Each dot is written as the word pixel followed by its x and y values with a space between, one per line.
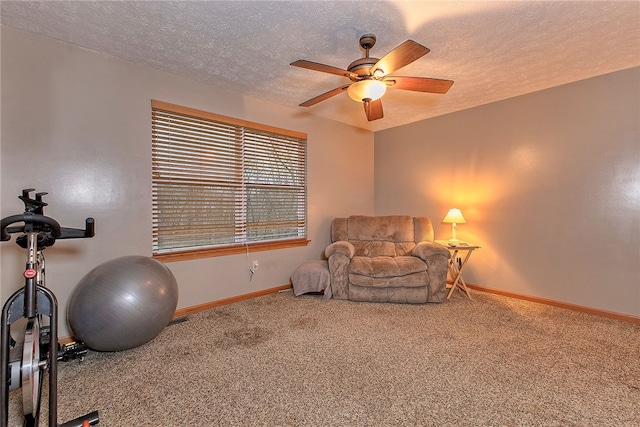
pixel 373 109
pixel 419 84
pixel 315 66
pixel 402 55
pixel 324 96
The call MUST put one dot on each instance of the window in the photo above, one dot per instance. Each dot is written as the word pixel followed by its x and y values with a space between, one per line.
pixel 223 185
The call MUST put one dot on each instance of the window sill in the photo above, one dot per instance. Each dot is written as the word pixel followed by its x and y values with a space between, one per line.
pixel 230 250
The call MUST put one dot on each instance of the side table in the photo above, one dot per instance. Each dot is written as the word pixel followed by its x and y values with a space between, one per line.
pixel 455 270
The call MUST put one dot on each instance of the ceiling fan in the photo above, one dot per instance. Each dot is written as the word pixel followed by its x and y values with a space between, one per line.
pixel 370 76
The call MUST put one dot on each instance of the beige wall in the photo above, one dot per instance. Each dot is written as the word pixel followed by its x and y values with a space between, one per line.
pixel 549 184
pixel 76 123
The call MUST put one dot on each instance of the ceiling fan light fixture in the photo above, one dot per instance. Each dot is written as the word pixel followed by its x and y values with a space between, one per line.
pixel 367 89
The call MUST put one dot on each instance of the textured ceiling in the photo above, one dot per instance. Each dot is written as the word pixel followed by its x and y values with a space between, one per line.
pixel 493 50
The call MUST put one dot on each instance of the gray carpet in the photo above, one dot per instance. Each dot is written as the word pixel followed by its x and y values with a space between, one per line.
pixel 281 360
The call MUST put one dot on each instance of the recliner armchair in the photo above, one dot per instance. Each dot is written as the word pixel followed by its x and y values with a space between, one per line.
pixel 386 259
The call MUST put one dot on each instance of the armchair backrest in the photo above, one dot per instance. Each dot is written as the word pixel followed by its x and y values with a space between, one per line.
pixel 393 235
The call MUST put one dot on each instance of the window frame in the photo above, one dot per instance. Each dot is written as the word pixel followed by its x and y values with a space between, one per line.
pixel 230 249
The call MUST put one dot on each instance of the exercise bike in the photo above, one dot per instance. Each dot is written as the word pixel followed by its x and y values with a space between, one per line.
pixel 34 350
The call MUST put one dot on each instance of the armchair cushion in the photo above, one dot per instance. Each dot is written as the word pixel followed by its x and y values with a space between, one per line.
pixel 386 266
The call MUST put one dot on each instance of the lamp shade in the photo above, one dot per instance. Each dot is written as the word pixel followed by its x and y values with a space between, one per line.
pixel 454 216
pixel 367 89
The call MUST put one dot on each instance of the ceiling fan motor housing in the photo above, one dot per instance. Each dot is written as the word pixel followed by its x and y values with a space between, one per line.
pixel 362 67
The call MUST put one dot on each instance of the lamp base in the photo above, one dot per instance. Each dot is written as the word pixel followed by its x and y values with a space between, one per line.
pixel 454 242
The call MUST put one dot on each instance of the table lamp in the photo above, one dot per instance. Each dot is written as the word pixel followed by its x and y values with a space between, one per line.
pixel 454 216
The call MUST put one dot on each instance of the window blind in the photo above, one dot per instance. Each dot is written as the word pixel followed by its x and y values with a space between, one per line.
pixel 220 182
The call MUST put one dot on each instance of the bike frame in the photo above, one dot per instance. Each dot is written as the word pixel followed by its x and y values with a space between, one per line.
pixel 31 301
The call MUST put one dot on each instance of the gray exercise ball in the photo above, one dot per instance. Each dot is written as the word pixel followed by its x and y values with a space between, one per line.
pixel 123 303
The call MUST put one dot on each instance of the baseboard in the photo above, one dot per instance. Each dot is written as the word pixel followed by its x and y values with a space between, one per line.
pixel 574 307
pixel 200 307
pixel 610 314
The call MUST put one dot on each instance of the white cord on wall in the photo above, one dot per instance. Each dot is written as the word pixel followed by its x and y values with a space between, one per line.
pixel 252 270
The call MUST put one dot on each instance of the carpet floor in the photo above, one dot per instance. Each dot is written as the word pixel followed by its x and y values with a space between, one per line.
pixel 280 360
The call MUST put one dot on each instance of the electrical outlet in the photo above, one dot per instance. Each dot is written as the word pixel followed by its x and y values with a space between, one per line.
pixel 256 265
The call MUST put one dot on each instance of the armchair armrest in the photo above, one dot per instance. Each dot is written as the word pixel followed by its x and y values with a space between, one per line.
pixel 425 250
pixel 340 247
pixel 339 256
pixel 437 258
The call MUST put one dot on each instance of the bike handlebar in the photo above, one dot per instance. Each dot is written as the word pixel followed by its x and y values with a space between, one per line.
pixel 78 233
pixel 57 232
